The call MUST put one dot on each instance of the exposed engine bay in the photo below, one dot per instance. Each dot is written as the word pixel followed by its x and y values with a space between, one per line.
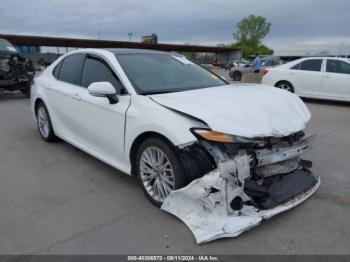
pixel 245 183
pixel 16 71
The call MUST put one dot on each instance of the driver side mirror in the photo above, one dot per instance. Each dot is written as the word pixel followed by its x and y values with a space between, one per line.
pixel 104 89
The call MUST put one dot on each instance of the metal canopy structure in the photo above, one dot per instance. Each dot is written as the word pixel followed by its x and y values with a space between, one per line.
pixel 92 43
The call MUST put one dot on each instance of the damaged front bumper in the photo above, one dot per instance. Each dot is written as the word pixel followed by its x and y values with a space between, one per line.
pixel 244 189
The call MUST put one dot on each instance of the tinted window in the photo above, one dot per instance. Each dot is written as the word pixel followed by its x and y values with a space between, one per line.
pixel 70 68
pixel 164 73
pixel 56 71
pixel 296 67
pixel 336 66
pixel 96 70
pixel 311 65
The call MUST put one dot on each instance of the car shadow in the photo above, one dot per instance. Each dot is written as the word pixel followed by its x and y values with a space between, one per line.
pixel 4 95
pixel 326 102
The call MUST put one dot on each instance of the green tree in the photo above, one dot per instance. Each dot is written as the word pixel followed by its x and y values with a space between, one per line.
pixel 249 34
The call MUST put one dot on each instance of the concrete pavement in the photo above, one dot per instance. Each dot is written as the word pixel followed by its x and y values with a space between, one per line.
pixel 56 199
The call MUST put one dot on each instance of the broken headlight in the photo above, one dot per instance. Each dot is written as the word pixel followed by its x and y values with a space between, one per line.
pixel 214 136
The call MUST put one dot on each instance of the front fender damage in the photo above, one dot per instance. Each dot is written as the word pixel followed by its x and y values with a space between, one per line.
pixel 228 201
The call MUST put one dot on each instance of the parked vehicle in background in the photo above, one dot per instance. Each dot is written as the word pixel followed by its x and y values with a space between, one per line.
pixel 315 77
pixel 236 72
pixel 208 66
pixel 237 63
pixel 218 63
pixel 16 71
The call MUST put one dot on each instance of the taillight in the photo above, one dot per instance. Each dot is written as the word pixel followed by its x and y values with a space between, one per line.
pixel 265 72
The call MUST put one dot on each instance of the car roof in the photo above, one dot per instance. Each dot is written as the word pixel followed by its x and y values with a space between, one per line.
pixel 325 57
pixel 111 51
pixel 134 51
pixel 295 62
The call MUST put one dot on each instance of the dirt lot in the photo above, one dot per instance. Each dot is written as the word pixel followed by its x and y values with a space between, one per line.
pixel 55 199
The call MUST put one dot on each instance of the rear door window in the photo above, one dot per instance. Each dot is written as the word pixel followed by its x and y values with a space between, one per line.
pixel 311 65
pixel 70 69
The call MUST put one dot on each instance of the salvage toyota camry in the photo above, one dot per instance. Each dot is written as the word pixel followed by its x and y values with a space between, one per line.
pixel 220 157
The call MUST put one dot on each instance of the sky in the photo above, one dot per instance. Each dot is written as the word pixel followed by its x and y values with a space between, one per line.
pixel 296 24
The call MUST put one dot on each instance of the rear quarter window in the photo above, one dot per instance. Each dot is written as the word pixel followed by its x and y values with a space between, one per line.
pixel 56 71
pixel 296 67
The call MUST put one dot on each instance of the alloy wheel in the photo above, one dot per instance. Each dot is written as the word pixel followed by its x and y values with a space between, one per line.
pixel 285 87
pixel 43 122
pixel 157 174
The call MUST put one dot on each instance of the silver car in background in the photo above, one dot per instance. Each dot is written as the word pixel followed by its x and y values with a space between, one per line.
pixel 237 71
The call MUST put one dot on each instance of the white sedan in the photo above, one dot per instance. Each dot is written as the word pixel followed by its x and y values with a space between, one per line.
pixel 192 139
pixel 316 77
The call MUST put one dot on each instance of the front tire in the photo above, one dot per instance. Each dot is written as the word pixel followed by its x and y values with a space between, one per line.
pixel 26 90
pixel 44 123
pixel 159 170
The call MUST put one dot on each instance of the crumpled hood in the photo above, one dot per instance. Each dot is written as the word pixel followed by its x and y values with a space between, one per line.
pixel 248 110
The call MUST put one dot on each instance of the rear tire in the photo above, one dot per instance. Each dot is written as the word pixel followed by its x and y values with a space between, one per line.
pixel 285 85
pixel 44 123
pixel 26 90
pixel 236 76
pixel 158 169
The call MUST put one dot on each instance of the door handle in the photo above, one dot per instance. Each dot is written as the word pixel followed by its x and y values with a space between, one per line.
pixel 77 97
pixel 327 76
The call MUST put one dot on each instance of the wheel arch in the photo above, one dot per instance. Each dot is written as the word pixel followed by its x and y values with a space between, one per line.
pixel 237 72
pixel 36 104
pixel 137 142
pixel 285 81
pixel 39 100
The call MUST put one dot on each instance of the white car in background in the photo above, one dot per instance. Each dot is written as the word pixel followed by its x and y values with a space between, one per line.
pixel 316 77
pixel 190 137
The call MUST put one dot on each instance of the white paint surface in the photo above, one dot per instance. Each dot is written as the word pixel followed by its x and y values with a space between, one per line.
pixel 243 110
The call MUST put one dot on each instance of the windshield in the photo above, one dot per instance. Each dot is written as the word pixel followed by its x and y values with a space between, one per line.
pixel 165 73
pixel 6 46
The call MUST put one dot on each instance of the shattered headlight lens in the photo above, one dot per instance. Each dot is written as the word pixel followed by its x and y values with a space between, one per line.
pixel 214 136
